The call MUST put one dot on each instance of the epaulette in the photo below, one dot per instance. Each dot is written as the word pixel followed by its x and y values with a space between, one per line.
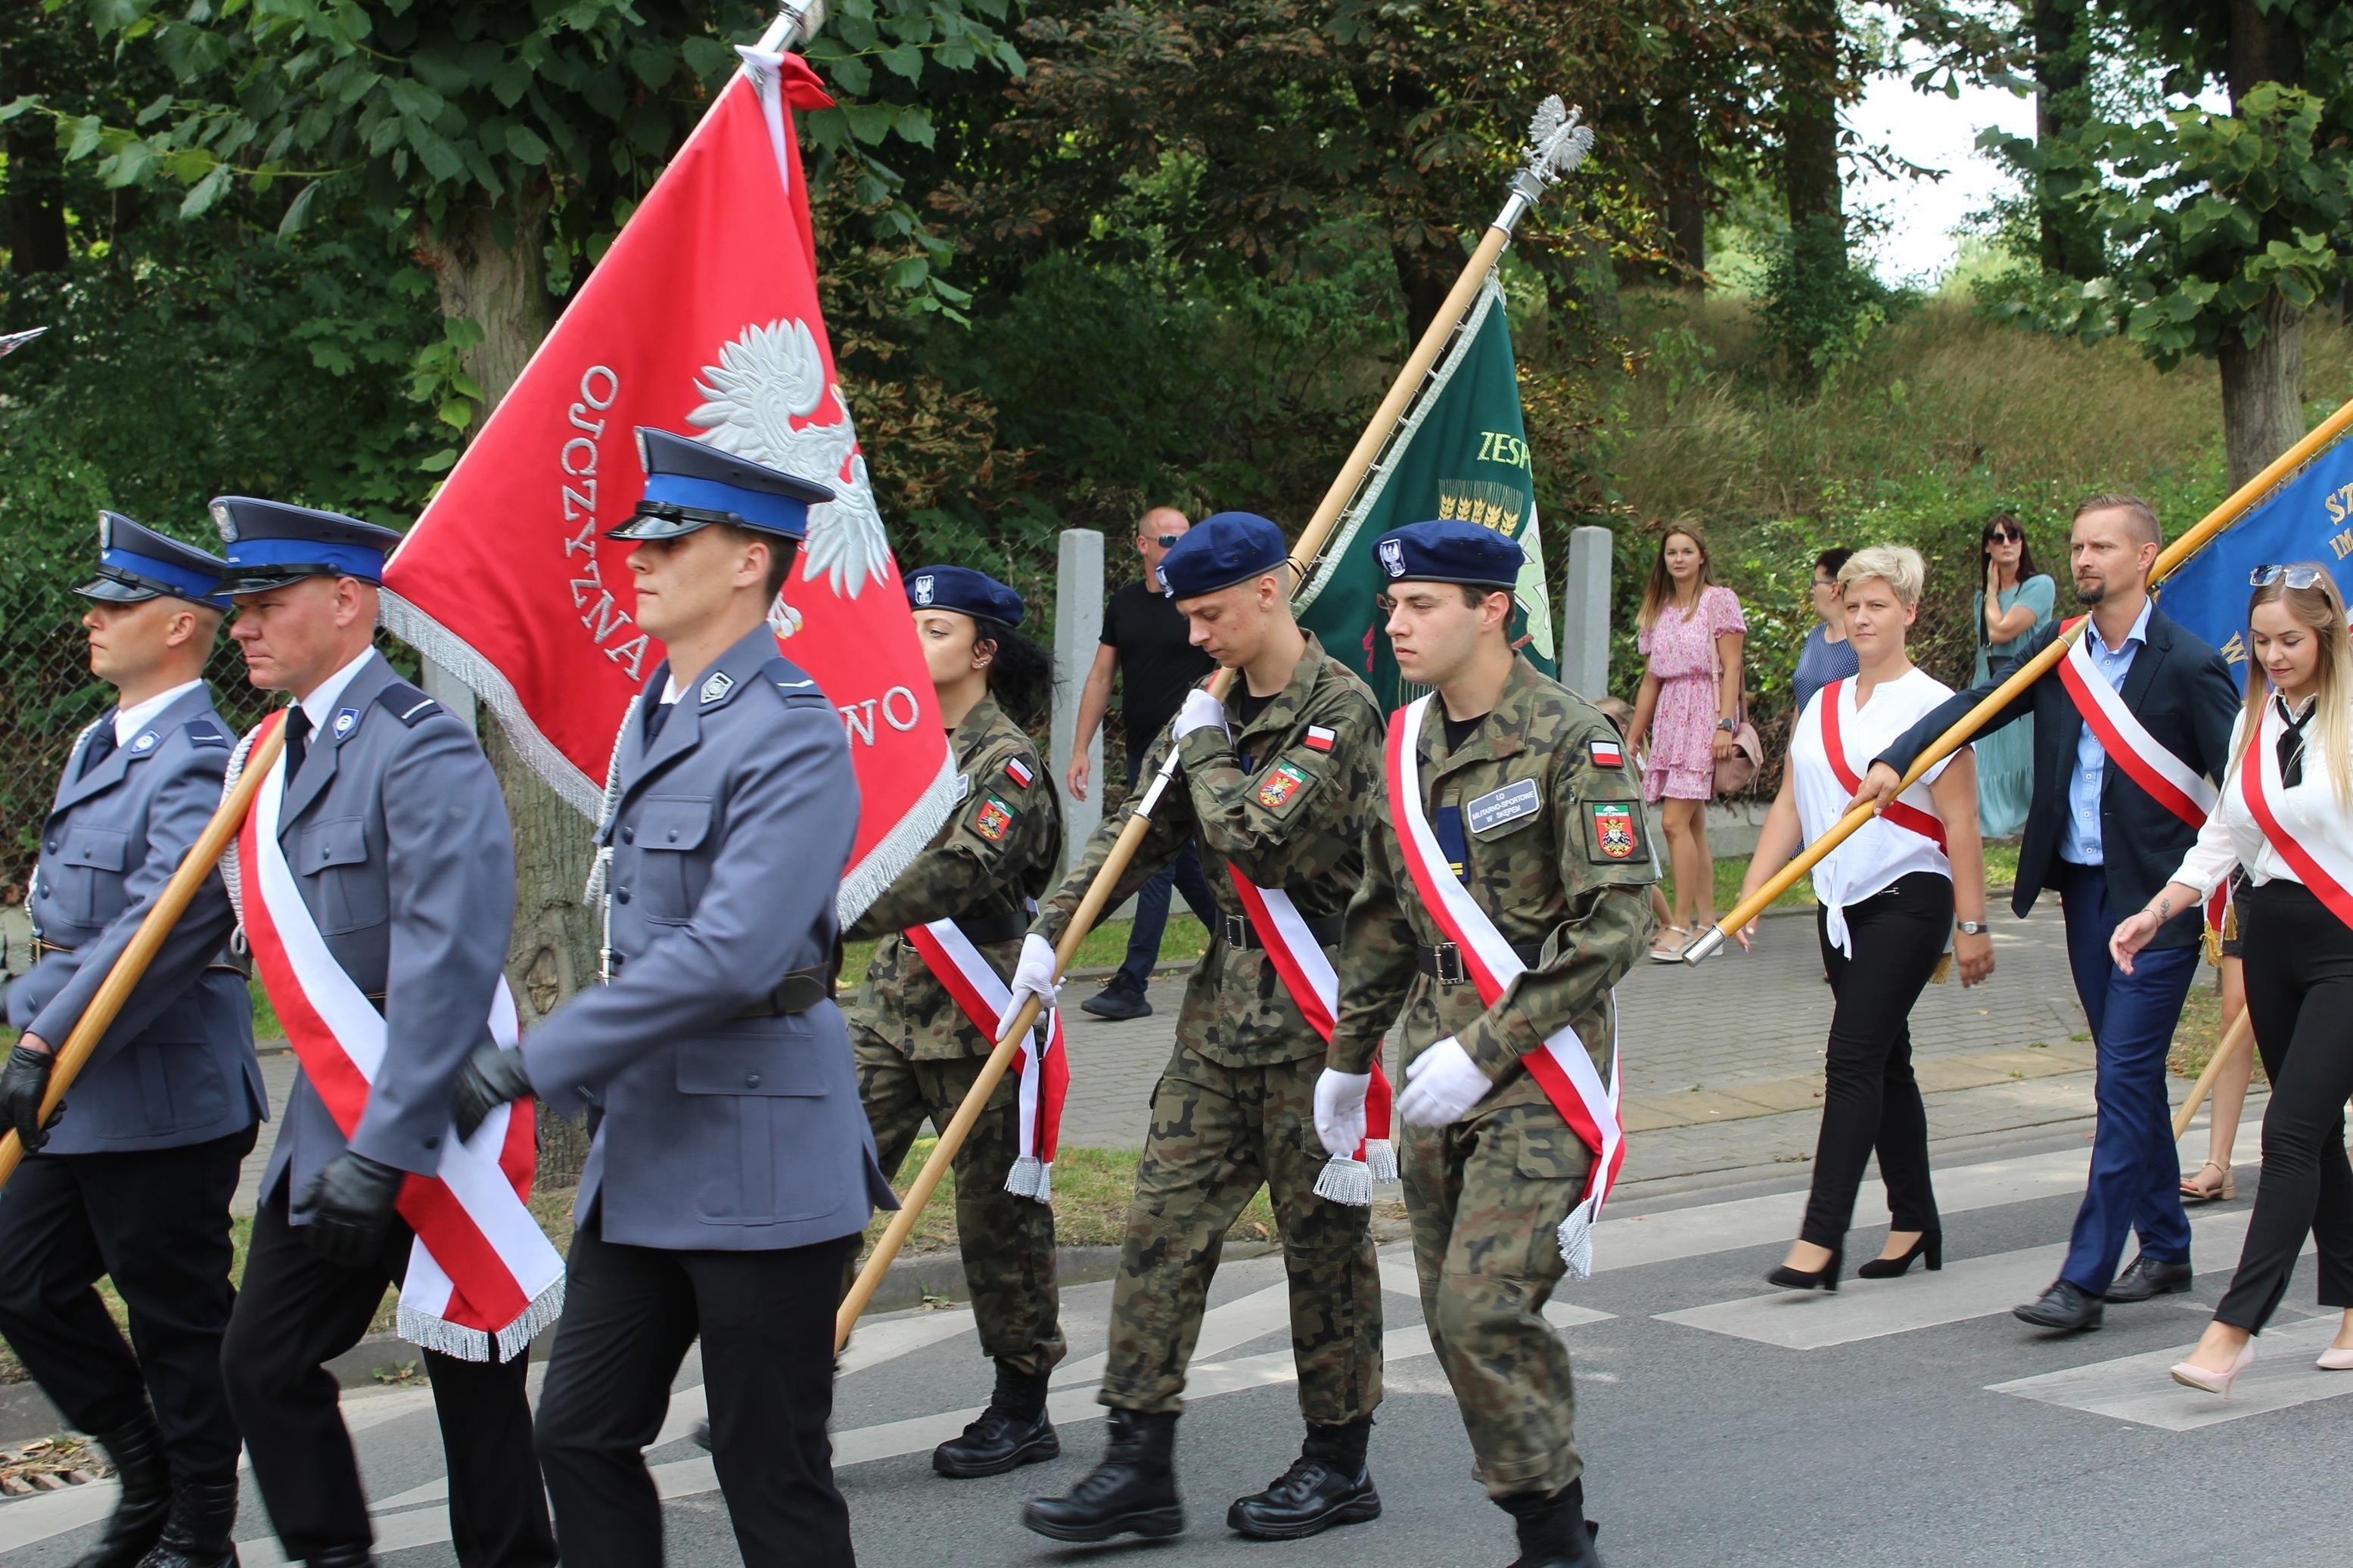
pixel 408 704
pixel 201 731
pixel 793 683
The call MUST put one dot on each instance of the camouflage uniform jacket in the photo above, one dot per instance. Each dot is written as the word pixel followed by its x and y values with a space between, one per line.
pixel 1564 881
pixel 997 851
pixel 1285 800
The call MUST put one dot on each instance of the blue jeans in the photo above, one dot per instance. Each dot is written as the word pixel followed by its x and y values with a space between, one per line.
pixel 1184 875
pixel 2134 1185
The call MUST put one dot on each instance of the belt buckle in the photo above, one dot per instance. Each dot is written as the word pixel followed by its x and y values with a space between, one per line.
pixel 1236 931
pixel 1450 964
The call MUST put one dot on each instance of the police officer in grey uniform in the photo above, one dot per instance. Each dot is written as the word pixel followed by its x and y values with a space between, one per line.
pixel 134 1182
pixel 401 850
pixel 732 1169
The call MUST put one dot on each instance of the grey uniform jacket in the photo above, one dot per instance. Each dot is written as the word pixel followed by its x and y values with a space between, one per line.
pixel 730 836
pixel 176 1066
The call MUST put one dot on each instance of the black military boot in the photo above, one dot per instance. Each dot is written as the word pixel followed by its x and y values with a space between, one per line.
pixel 343 1557
pixel 1328 1484
pixel 1132 1491
pixel 1554 1531
pixel 1012 1432
pixel 198 1534
pixel 136 1452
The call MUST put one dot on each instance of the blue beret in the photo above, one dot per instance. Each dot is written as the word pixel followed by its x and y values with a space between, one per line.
pixel 965 591
pixel 136 562
pixel 690 485
pixel 1218 551
pixel 271 545
pixel 1464 552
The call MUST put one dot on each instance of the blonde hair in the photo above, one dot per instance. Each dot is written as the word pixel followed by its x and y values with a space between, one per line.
pixel 1898 565
pixel 2322 609
pixel 1658 590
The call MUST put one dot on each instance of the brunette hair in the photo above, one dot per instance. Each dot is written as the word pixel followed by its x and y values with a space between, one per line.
pixel 2322 609
pixel 2025 547
pixel 1020 673
pixel 1659 591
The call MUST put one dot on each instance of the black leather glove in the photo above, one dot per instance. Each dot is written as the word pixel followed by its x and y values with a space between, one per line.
pixel 349 1205
pixel 21 1083
pixel 490 1077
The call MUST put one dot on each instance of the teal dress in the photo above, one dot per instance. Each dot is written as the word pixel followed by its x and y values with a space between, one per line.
pixel 2006 757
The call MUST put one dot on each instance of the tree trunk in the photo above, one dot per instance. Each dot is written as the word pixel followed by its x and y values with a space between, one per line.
pixel 32 209
pixel 2263 391
pixel 1425 275
pixel 2061 101
pixel 1810 157
pixel 2263 47
pixel 487 266
pixel 1687 193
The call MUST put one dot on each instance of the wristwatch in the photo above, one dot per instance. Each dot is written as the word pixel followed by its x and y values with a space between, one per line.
pixel 1728 726
pixel 1970 928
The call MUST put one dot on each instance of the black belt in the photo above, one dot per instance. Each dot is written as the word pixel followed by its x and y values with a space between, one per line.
pixel 1443 960
pixel 998 925
pixel 1238 934
pixel 795 993
pixel 226 959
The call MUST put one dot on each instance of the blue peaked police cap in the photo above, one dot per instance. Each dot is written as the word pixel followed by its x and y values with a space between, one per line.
pixel 1465 552
pixel 965 591
pixel 271 543
pixel 690 486
pixel 135 564
pixel 1221 550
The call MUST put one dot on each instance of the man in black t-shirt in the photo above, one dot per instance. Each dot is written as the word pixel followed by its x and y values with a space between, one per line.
pixel 1147 643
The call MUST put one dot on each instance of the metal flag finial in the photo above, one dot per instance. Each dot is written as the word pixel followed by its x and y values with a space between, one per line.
pixel 1557 143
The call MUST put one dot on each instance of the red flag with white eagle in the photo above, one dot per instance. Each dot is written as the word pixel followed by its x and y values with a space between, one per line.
pixel 703 320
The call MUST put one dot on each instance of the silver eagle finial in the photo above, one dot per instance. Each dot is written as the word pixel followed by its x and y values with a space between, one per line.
pixel 1557 143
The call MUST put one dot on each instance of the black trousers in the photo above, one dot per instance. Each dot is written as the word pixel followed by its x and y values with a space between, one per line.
pixel 156 1221
pixel 296 1313
pixel 766 1323
pixel 1871 1098
pixel 2299 960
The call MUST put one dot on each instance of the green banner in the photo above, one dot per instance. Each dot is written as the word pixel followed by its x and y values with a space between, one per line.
pixel 1462 454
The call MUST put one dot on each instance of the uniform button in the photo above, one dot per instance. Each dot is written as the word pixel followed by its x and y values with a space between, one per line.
pixel 324 853
pixel 629 835
pixel 620 895
pixel 51 846
pixel 434 1141
pixel 751 1080
pixel 674 836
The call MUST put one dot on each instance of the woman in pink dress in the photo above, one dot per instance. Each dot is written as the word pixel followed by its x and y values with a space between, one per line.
pixel 1692 633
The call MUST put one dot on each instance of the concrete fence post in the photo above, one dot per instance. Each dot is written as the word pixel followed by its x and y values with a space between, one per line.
pixel 1078 631
pixel 1585 614
pixel 448 690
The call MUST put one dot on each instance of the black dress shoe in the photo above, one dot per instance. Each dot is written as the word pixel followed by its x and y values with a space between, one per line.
pixel 136 1451
pixel 1131 1492
pixel 1825 1277
pixel 201 1530
pixel 343 1557
pixel 999 1441
pixel 2065 1305
pixel 1118 1003
pixel 2145 1278
pixel 1326 1485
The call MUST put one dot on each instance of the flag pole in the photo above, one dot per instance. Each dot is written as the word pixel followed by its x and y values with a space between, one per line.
pixel 2239 1032
pixel 1557 144
pixel 2168 560
pixel 161 917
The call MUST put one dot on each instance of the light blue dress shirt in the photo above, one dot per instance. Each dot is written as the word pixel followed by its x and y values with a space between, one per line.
pixel 2079 840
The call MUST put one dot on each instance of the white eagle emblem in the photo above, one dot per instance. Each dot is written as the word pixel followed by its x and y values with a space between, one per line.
pixel 1393 557
pixel 765 379
pixel 923 589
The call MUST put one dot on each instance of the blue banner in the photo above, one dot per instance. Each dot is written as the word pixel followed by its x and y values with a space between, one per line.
pixel 2309 518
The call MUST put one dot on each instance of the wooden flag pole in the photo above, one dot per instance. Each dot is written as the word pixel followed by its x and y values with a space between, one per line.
pixel 2168 560
pixel 161 917
pixel 2238 1034
pixel 1557 143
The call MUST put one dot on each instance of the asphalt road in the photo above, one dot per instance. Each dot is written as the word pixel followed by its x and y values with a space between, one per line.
pixel 1910 1422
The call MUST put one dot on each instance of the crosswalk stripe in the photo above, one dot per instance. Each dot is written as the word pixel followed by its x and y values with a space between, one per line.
pixel 2137 1388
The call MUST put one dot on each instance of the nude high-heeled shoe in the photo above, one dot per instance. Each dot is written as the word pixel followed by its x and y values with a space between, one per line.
pixel 2190 1376
pixel 2336 1360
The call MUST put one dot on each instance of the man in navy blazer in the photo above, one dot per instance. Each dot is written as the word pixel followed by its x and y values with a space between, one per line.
pixel 2105 844
pixel 135 1177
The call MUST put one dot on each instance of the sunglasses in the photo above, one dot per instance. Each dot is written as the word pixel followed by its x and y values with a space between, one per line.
pixel 1167 540
pixel 2294 576
pixel 1825 582
pixel 2004 536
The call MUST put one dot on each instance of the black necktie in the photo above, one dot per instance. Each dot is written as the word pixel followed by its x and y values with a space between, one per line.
pixel 2291 742
pixel 298 738
pixel 102 745
pixel 656 716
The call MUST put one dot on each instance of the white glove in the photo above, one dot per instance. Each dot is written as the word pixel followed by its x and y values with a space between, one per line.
pixel 1032 976
pixel 1441 1086
pixel 1201 712
pixel 1340 1112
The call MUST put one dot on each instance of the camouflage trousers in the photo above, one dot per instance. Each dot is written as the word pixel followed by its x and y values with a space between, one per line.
pixel 1217 1134
pixel 1486 1196
pixel 1009 1241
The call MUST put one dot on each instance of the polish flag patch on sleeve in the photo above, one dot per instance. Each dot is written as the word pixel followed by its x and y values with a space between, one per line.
pixel 1018 771
pixel 1608 753
pixel 1320 738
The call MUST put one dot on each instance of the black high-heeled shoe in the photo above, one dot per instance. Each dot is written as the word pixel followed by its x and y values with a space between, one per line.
pixel 1931 1243
pixel 1825 1277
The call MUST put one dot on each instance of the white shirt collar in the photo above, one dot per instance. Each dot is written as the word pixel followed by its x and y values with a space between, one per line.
pixel 129 721
pixel 321 704
pixel 2140 632
pixel 670 692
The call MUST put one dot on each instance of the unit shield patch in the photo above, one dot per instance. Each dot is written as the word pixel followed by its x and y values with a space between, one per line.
pixel 992 820
pixel 1282 781
pixel 1615 832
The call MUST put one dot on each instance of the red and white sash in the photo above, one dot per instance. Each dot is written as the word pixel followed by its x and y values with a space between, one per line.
pixel 981 995
pixel 1897 812
pixel 2320 866
pixel 1315 990
pixel 482 1279
pixel 1561 1066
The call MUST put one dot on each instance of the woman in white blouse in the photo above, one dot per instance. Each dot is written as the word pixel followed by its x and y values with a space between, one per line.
pixel 2286 816
pixel 1887 898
